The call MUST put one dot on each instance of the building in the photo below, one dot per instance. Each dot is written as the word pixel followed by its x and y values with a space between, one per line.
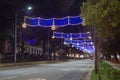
pixel 5 47
pixel 33 50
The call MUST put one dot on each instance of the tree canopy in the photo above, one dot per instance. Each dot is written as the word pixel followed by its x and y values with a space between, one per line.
pixel 103 15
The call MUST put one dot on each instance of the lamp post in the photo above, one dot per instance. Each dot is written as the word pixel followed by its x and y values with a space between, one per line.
pixel 15 31
pixel 48 47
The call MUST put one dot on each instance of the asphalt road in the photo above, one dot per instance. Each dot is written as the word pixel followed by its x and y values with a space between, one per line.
pixel 71 70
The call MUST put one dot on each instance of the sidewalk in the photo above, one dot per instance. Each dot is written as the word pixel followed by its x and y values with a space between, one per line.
pixel 114 65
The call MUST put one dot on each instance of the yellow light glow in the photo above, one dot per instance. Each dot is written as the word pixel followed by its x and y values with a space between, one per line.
pixel 53 37
pixel 24 25
pixel 71 39
pixel 53 27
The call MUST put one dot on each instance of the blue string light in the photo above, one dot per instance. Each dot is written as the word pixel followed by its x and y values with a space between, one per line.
pixel 67 41
pixel 84 45
pixel 59 22
pixel 70 35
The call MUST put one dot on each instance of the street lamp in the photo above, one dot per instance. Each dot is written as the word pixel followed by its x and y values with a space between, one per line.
pixel 15 34
pixel 29 8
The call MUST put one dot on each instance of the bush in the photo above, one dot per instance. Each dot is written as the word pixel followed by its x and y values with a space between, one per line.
pixel 106 72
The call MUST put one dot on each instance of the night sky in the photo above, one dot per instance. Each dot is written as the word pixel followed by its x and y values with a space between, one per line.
pixel 41 8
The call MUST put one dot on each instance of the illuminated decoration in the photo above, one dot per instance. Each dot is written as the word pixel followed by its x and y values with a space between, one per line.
pixel 75 20
pixel 24 25
pixel 89 37
pixel 31 21
pixel 84 45
pixel 53 37
pixel 59 22
pixel 31 42
pixel 53 27
pixel 45 22
pixel 88 48
pixel 70 35
pixel 67 41
pixel 71 38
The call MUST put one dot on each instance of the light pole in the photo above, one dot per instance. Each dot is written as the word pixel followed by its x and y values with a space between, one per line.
pixel 48 47
pixel 15 31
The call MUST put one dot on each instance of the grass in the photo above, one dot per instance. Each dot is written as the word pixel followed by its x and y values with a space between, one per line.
pixel 106 72
pixel 94 76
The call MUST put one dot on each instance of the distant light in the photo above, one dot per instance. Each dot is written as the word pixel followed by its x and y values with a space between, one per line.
pixel 81 56
pixel 88 32
pixel 71 38
pixel 53 37
pixel 89 37
pixel 29 8
pixel 77 44
pixel 65 43
pixel 91 43
pixel 52 54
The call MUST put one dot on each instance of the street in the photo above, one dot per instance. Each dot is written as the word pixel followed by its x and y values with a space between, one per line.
pixel 71 70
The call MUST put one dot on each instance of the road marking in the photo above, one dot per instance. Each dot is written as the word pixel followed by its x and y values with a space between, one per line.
pixel 11 77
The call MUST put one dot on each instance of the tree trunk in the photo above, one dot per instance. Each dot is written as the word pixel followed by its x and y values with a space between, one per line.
pixel 116 59
pixel 96 56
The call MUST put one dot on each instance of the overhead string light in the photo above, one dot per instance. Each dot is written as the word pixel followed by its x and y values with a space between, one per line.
pixel 84 45
pixel 32 22
pixel 70 36
pixel 77 42
pixel 59 22
pixel 88 49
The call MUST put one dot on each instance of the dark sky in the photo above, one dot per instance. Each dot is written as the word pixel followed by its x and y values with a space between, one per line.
pixel 46 8
pixel 55 8
pixel 41 8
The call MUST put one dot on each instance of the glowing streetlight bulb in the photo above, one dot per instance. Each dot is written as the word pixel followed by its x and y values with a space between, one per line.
pixel 29 8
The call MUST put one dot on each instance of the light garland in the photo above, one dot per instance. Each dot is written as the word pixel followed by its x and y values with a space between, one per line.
pixel 70 36
pixel 59 22
pixel 67 41
pixel 84 45
pixel 88 49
